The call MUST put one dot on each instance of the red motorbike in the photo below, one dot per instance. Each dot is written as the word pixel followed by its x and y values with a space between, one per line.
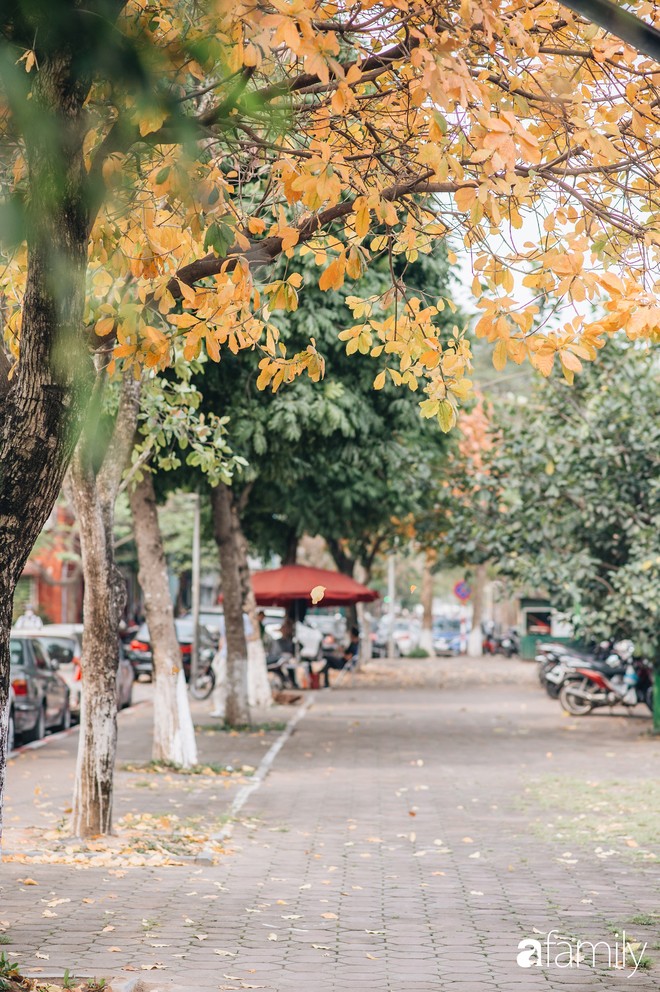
pixel 589 689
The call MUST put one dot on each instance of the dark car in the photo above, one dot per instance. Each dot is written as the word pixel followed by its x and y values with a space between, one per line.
pixel 140 656
pixel 63 642
pixel 41 696
pixel 446 637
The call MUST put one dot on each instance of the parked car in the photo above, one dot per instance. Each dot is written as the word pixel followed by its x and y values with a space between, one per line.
pixel 41 696
pixel 405 636
pixel 446 636
pixel 141 657
pixel 64 644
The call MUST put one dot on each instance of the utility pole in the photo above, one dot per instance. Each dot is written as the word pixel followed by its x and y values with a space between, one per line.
pixel 391 593
pixel 196 582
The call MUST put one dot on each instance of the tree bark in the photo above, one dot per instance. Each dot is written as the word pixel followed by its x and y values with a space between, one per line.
pixel 94 494
pixel 44 402
pixel 475 640
pixel 426 638
pixel 346 565
pixel 258 687
pixel 174 733
pixel 237 709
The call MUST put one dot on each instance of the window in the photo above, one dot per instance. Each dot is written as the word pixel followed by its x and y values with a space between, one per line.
pixel 16 652
pixel 40 657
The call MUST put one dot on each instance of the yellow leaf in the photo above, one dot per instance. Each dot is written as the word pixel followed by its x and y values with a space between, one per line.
pixel 379 381
pixel 446 416
pixel 333 277
pixel 317 594
pixel 465 197
pixel 500 355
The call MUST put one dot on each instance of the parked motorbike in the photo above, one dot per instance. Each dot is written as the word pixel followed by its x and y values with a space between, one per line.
pixel 556 661
pixel 203 684
pixel 509 644
pixel 590 688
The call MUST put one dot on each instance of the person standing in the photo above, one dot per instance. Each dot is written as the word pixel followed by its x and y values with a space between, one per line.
pixel 29 620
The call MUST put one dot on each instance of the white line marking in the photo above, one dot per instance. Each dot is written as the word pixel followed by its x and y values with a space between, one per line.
pixel 262 772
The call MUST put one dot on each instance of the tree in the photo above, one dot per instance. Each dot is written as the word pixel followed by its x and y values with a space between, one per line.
pixel 571 497
pixel 135 139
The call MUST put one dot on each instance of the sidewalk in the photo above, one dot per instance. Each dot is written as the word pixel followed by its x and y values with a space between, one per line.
pixel 417 825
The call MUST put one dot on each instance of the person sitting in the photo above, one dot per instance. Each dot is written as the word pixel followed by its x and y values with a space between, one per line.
pixel 347 659
pixel 282 654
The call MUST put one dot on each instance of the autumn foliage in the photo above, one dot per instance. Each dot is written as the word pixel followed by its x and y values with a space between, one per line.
pixel 515 130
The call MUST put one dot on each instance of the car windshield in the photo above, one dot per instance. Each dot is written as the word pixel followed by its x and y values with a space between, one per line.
pixel 447 626
pixel 16 653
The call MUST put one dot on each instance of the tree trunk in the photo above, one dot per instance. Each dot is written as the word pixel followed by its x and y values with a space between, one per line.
pixel 258 686
pixel 43 405
pixel 237 709
pixel 426 638
pixel 475 640
pixel 103 604
pixel 291 552
pixel 174 733
pixel 94 494
pixel 346 565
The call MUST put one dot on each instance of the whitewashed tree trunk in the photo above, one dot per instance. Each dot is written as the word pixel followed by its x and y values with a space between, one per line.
pixel 475 639
pixel 426 636
pixel 258 686
pixel 94 494
pixel 174 733
pixel 237 708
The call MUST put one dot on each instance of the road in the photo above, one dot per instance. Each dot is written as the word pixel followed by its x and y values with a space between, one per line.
pixel 417 825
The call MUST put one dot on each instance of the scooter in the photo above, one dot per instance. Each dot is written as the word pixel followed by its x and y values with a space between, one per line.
pixel 590 689
pixel 556 661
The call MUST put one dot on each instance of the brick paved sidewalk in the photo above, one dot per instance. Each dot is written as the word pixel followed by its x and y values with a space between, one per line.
pixel 407 838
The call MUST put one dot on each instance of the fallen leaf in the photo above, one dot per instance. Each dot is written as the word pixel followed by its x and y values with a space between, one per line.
pixel 27 881
pixel 329 916
pixel 272 936
pixel 317 594
pixel 114 950
pixel 225 954
pixel 43 957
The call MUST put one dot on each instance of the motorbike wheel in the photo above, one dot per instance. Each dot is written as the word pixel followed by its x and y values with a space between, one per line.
pixel 203 685
pixel 552 689
pixel 648 698
pixel 573 704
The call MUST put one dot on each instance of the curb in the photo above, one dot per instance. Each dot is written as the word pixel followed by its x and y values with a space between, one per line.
pixel 61 734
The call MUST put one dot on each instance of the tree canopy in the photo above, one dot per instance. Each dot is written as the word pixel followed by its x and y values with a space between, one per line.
pixel 214 144
pixel 568 497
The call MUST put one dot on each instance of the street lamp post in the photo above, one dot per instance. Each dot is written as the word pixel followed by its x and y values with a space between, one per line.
pixel 196 582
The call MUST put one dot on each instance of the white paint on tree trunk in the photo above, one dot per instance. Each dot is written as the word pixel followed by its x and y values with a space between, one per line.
pixel 4 755
pixel 174 733
pixel 259 691
pixel 186 725
pixel 219 697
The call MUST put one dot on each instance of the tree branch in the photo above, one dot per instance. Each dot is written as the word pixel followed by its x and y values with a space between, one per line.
pixel 265 252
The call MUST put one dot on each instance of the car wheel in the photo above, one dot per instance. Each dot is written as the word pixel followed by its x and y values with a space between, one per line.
pixel 65 722
pixel 39 729
pixel 11 733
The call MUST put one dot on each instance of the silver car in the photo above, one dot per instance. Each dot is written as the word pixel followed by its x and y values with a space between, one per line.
pixel 40 694
pixel 64 642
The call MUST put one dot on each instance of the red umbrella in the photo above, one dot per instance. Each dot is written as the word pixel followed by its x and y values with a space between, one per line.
pixel 281 586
